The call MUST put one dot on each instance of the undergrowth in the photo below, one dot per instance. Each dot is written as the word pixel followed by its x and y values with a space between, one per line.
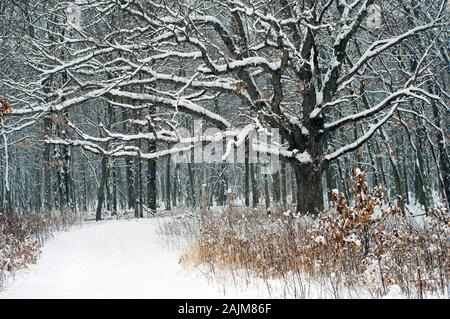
pixel 22 236
pixel 360 244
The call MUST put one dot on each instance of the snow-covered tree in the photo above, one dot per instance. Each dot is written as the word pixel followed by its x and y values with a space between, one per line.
pixel 329 74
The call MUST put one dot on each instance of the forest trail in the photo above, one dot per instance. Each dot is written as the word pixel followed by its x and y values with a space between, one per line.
pixel 112 259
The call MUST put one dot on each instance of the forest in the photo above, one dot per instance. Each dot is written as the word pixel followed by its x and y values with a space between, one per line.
pixel 314 131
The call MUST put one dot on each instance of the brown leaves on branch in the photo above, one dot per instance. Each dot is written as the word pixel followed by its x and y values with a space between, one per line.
pixel 6 108
pixel 22 235
pixel 365 242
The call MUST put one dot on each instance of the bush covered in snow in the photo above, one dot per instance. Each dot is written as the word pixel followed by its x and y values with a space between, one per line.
pixel 22 235
pixel 364 244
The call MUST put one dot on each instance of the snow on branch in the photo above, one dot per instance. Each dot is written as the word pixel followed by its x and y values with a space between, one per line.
pixel 361 140
pixel 176 104
pixel 369 112
pixel 395 97
pixel 380 46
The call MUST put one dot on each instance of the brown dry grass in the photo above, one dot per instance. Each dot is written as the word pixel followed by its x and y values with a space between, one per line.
pixel 22 235
pixel 359 245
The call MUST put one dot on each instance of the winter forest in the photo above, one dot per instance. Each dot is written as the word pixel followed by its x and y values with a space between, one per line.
pixel 269 148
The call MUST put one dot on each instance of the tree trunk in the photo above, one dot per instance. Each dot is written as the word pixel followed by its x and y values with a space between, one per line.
pixel 276 187
pixel 266 191
pixel 283 184
pixel 101 189
pixel 223 186
pixel 343 184
pixel 444 161
pixel 128 167
pixel 309 190
pixel 292 182
pixel 372 165
pixel 255 192
pixel 66 178
pixel 48 202
pixel 8 192
pixel 137 189
pixel 191 186
pixel 141 192
pixel 151 179
pixel 175 186
pixel 168 187
pixel 85 188
pixel 247 174
pixel 114 188
pixel 395 171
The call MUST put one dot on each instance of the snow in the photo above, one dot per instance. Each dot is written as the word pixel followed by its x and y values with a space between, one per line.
pixel 394 292
pixel 252 61
pixel 175 104
pixel 305 131
pixel 133 259
pixel 240 139
pixel 304 157
pixel 372 129
pixel 320 240
pixel 352 238
pixel 380 46
pixel 115 259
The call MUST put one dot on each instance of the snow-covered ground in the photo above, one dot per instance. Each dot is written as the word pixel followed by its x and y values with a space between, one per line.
pixel 117 259
pixel 133 259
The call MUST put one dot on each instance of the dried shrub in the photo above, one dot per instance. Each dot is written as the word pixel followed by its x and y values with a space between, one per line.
pixel 22 236
pixel 5 107
pixel 362 244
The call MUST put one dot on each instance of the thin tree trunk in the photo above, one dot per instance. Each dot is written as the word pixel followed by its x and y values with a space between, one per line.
pixel 8 192
pixel 276 187
pixel 395 171
pixel 266 191
pixel 283 184
pixel 168 186
pixel 444 161
pixel 151 179
pixel 247 174
pixel 137 189
pixel 48 201
pixel 191 199
pixel 255 191
pixel 101 189
pixel 128 167
pixel 175 186
pixel 114 188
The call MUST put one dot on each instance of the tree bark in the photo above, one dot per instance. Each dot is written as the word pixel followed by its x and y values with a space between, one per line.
pixel 168 186
pixel 151 179
pixel 444 161
pixel 175 186
pixel 395 171
pixel 247 174
pixel 266 191
pixel 191 200
pixel 128 168
pixel 101 189
pixel 283 184
pixel 309 190
pixel 255 191
pixel 276 187
pixel 48 201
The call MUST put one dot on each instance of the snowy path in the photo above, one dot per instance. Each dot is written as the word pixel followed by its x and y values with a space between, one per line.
pixel 114 259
